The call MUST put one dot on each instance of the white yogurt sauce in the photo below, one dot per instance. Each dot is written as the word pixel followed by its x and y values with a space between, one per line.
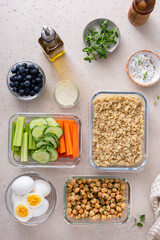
pixel 143 68
pixel 66 94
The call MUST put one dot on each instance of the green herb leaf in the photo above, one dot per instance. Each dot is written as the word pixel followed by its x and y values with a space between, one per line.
pixel 142 218
pixel 158 97
pixel 155 102
pixel 139 224
pixel 145 75
pixel 72 207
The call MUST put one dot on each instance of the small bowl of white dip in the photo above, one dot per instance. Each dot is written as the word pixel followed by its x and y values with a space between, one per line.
pixel 66 94
pixel 143 68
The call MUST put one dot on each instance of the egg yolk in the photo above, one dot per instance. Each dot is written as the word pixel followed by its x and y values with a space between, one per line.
pixel 21 211
pixel 34 200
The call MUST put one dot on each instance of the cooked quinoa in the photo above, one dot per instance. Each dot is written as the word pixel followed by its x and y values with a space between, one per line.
pixel 118 129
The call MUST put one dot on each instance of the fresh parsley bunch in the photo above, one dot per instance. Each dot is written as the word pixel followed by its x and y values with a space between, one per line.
pixel 99 41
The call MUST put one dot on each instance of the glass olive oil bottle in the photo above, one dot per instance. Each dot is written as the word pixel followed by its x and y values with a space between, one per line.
pixel 51 43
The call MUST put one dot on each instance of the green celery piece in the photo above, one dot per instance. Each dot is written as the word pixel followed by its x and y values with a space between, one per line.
pixel 19 152
pixel 19 132
pixel 13 148
pixel 27 128
pixel 31 144
pixel 24 148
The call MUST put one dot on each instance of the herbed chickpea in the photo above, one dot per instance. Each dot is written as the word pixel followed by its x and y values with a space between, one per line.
pixel 107 202
pixel 83 215
pixel 121 192
pixel 99 194
pixel 117 180
pixel 97 205
pixel 108 208
pixel 111 180
pixel 81 186
pixel 81 211
pixel 82 192
pixel 76 190
pixel 95 189
pixel 69 186
pixel 72 198
pixel 98 216
pixel 94 218
pixel 84 180
pixel 109 217
pixel 108 198
pixel 78 216
pixel 109 191
pixel 110 185
pixel 73 181
pixel 113 195
pixel 86 213
pixel 78 202
pixel 94 180
pixel 83 205
pixel 89 180
pixel 119 215
pixel 73 203
pixel 106 213
pixel 113 205
pixel 123 206
pixel 123 186
pixel 84 201
pixel 119 204
pixel 118 197
pixel 80 181
pixel 103 190
pixel 68 211
pixel 92 185
pixel 112 211
pixel 115 213
pixel 78 207
pixel 68 204
pixel 116 185
pixel 95 210
pixel 93 201
pixel 74 211
pixel 112 200
pixel 106 180
pixel 104 185
pixel 71 215
pixel 88 207
pixel 114 190
pixel 104 217
pixel 101 210
pixel 98 184
pixel 123 199
pixel 114 216
pixel 118 193
pixel 86 188
pixel 105 195
pixel 78 197
pixel 90 195
pixel 91 213
pixel 118 209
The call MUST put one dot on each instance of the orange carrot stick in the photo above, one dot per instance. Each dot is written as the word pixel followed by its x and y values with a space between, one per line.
pixel 68 139
pixel 75 137
pixel 62 147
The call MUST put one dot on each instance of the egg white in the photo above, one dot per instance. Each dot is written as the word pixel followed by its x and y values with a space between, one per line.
pixel 22 219
pixel 26 201
pixel 43 187
pixel 39 211
pixel 16 198
pixel 23 185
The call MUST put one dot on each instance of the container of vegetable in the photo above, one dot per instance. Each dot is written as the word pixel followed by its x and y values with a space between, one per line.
pixel 44 140
pixel 101 36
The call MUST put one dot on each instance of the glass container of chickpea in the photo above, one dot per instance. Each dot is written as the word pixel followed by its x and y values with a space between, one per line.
pixel 97 200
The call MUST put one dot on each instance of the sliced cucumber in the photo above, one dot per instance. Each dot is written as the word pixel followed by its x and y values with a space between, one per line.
pixel 42 156
pixel 37 132
pixel 50 137
pixel 37 122
pixel 52 122
pixel 56 130
pixel 53 154
pixel 42 142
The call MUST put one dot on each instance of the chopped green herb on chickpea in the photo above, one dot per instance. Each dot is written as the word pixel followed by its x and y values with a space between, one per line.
pixel 95 198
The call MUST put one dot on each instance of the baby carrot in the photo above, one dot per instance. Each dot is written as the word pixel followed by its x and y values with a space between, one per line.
pixel 75 140
pixel 68 139
pixel 62 147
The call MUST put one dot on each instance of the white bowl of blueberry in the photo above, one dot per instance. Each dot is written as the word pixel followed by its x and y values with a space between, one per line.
pixel 26 80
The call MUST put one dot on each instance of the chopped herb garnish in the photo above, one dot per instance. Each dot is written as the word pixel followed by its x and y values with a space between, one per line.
pixel 154 67
pixel 145 75
pixel 79 179
pixel 155 102
pixel 139 60
pixel 100 199
pixel 158 97
pixel 103 212
pixel 72 207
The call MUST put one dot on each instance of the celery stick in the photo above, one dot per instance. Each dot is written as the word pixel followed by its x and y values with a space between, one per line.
pixel 19 132
pixel 24 148
pixel 30 139
pixel 27 128
pixel 19 152
pixel 33 143
pixel 13 148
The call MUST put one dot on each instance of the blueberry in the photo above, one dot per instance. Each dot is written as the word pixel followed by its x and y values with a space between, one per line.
pixel 27 90
pixel 27 83
pixel 39 75
pixel 36 89
pixel 38 81
pixel 11 84
pixel 26 93
pixel 15 89
pixel 12 78
pixel 21 92
pixel 22 85
pixel 33 72
pixel 18 66
pixel 40 85
pixel 16 84
pixel 26 70
pixel 24 65
pixel 18 72
pixel 32 93
pixel 31 66
pixel 28 77
pixel 21 69
pixel 15 78
pixel 19 77
pixel 24 79
pixel 33 81
pixel 13 70
pixel 37 69
pixel 23 74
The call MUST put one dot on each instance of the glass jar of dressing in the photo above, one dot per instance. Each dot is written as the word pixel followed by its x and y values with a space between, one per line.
pixel 66 94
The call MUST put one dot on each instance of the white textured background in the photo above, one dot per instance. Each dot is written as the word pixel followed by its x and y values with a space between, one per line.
pixel 20 27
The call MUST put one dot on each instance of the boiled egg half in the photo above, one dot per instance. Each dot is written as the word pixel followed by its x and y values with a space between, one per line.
pixel 22 211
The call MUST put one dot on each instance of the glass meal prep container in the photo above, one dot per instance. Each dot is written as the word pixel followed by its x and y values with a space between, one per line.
pixel 114 221
pixel 61 162
pixel 139 166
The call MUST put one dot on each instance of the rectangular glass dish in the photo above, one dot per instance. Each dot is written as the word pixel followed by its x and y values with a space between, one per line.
pixel 114 221
pixel 116 168
pixel 61 162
